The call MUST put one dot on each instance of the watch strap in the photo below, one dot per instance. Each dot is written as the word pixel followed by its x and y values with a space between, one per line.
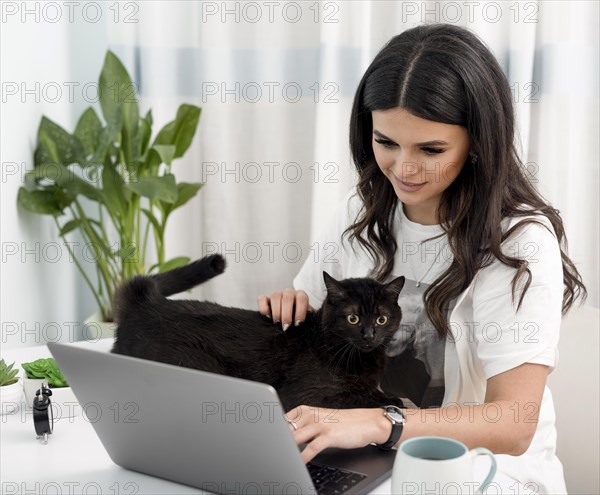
pixel 43 418
pixel 397 428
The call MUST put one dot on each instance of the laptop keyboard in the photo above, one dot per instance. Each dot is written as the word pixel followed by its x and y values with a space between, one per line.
pixel 330 480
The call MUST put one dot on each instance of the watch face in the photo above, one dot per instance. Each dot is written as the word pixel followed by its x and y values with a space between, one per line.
pixel 398 418
pixel 395 414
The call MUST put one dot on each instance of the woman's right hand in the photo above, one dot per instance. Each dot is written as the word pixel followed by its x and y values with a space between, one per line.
pixel 286 307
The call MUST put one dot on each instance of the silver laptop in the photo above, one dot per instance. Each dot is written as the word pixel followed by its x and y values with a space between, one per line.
pixel 217 433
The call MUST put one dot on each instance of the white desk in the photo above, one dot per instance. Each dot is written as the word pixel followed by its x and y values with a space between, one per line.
pixel 74 460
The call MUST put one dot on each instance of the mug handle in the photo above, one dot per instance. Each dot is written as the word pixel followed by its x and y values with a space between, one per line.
pixel 492 472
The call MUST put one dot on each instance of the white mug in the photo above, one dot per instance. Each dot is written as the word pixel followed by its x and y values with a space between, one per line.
pixel 437 465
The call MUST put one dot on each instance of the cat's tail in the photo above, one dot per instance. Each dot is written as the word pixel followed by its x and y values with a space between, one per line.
pixel 189 276
pixel 147 290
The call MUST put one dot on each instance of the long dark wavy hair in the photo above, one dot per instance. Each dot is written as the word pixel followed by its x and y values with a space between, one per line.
pixel 445 73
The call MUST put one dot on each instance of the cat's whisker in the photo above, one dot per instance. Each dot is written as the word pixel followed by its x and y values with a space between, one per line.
pixel 347 346
pixel 353 349
pixel 342 345
pixel 350 350
pixel 342 349
pixel 329 350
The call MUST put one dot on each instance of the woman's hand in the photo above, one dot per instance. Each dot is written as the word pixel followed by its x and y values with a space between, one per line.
pixel 285 307
pixel 322 428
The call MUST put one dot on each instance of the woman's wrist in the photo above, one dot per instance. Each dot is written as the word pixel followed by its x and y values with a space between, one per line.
pixel 382 427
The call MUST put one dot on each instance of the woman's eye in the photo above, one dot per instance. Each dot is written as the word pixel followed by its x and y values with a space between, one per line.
pixel 432 151
pixel 428 151
pixel 385 143
pixel 381 320
pixel 353 319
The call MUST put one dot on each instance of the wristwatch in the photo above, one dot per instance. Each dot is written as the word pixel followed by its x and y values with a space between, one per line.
pixel 43 417
pixel 397 418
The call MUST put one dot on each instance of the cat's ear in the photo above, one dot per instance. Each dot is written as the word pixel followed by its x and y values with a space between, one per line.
pixel 334 288
pixel 395 286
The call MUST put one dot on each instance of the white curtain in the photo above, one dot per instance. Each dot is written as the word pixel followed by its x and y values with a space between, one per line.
pixel 564 128
pixel 275 82
pixel 218 55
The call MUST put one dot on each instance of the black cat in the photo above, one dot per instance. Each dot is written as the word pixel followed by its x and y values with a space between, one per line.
pixel 335 358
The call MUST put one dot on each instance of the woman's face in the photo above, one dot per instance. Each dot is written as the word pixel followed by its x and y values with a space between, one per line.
pixel 421 158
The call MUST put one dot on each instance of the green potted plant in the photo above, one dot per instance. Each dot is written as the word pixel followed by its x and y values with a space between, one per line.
pixel 11 388
pixel 46 370
pixel 122 173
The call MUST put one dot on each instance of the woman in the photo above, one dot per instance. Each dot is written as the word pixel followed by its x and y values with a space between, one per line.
pixel 442 198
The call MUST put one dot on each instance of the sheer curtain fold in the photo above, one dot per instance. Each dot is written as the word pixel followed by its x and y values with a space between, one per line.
pixel 276 97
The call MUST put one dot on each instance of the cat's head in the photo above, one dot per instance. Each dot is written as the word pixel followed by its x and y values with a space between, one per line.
pixel 361 311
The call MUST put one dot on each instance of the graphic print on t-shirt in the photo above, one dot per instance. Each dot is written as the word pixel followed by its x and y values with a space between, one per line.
pixel 415 366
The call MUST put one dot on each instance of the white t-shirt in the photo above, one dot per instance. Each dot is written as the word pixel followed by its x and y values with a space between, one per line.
pixel 488 335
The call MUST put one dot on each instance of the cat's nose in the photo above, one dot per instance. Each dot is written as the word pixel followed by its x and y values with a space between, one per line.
pixel 368 333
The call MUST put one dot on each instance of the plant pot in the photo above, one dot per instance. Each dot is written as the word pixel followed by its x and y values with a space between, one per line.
pixel 63 400
pixel 94 328
pixel 10 397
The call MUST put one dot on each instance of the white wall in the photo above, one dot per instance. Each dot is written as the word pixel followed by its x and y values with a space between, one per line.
pixel 38 283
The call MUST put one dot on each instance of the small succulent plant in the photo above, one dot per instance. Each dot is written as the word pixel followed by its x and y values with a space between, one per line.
pixel 8 375
pixel 47 369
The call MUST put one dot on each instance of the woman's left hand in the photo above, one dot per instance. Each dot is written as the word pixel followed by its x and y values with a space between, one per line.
pixel 321 428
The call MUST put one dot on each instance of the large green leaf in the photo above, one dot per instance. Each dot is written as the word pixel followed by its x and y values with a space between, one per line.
pixel 63 197
pixel 42 202
pixel 113 189
pixel 67 179
pixel 75 224
pixel 117 88
pixel 153 161
pixel 88 131
pixel 180 131
pixel 78 186
pixel 57 145
pixel 152 220
pixel 160 188
pixel 49 170
pixel 145 132
pixel 173 263
pixel 109 134
pixel 185 192
pixel 70 226
pixel 125 253
pixel 165 151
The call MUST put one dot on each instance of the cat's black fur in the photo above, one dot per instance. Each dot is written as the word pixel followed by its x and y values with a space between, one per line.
pixel 323 362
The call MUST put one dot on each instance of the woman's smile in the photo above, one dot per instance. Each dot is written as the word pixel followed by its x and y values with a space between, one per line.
pixel 409 186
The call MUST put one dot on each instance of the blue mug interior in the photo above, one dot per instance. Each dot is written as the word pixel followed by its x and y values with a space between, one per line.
pixel 433 448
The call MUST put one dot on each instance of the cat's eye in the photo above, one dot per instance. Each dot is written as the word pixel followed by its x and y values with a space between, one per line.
pixel 353 319
pixel 381 320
